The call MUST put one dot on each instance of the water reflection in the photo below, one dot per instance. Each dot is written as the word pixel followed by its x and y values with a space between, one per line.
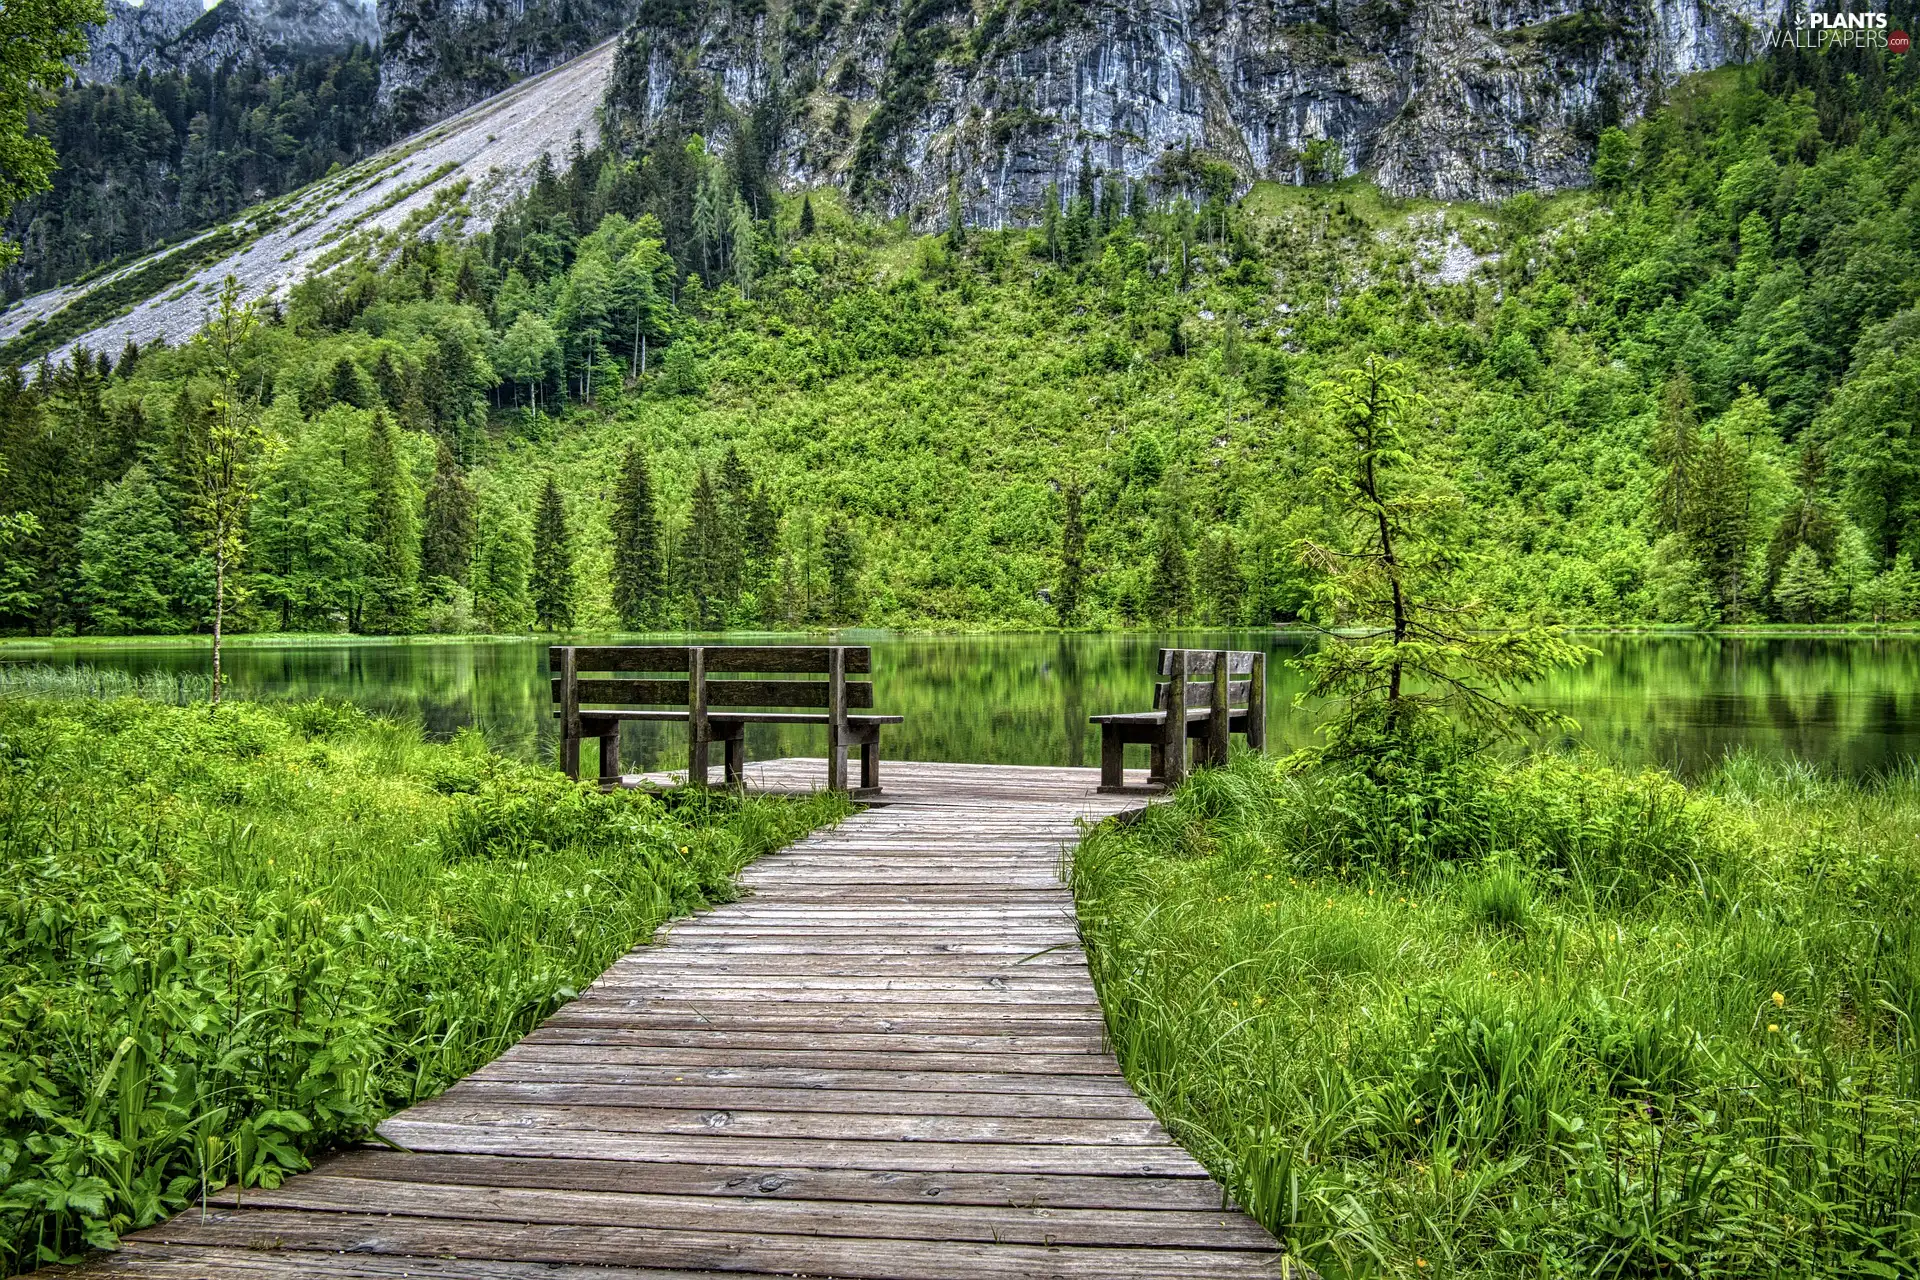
pixel 1678 701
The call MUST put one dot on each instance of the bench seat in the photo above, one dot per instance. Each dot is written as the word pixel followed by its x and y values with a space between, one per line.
pixel 1229 698
pixel 737 717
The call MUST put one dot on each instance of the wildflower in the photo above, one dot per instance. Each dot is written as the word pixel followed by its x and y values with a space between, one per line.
pixel 1773 1026
pixel 1419 1262
pixel 1779 1000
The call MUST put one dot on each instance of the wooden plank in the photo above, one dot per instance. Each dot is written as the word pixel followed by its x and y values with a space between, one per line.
pixel 748 1182
pixel 590 1048
pixel 1159 1160
pixel 813 1081
pixel 1005 1224
pixel 1200 662
pixel 202 1262
pixel 709 1095
pixel 858 1259
pixel 1074 1131
pixel 797 659
pixel 720 693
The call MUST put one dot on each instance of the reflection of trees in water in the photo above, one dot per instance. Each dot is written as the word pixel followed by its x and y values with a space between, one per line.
pixel 1683 702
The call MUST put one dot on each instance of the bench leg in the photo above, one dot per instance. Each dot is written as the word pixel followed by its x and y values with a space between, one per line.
pixel 570 754
pixel 736 743
pixel 870 761
pixel 836 758
pixel 1157 761
pixel 696 761
pixel 1113 758
pixel 610 755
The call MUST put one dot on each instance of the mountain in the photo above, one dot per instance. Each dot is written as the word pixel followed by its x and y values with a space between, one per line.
pixel 1445 98
pixel 163 34
pixel 453 176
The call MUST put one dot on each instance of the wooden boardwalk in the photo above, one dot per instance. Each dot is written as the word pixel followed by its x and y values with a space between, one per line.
pixel 885 1062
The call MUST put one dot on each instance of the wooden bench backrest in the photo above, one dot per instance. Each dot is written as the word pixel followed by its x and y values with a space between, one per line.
pixel 676 690
pixel 1243 670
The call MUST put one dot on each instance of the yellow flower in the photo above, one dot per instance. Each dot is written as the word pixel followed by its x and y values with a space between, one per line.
pixel 1773 1026
pixel 1419 1262
pixel 1779 1001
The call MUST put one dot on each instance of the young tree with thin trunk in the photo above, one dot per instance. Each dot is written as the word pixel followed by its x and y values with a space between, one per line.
pixel 1406 650
pixel 227 474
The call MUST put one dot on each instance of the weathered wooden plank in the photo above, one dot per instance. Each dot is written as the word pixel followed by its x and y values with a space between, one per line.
pixel 814 1081
pixel 1200 662
pixel 1159 1160
pixel 1005 1224
pixel 711 1096
pixel 202 1262
pixel 583 1046
pixel 1064 1191
pixel 796 659
pixel 1079 1131
pixel 720 693
pixel 858 1259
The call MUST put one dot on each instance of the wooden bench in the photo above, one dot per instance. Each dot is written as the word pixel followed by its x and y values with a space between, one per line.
pixel 1222 692
pixel 597 688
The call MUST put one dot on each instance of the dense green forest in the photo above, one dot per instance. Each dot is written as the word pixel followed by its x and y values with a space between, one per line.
pixel 149 159
pixel 655 393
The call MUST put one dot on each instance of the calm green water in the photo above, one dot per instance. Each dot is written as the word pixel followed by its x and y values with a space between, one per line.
pixel 1682 702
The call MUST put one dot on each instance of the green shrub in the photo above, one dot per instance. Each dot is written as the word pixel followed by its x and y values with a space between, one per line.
pixel 229 940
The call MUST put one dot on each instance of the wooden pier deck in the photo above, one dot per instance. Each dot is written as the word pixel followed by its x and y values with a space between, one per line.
pixel 885 1062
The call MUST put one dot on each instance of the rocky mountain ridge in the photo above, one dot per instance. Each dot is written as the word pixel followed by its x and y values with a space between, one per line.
pixel 1455 99
pixel 167 34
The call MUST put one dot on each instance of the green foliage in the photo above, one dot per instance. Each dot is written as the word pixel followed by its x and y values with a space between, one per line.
pixel 1619 386
pixel 232 941
pixel 550 577
pixel 147 160
pixel 37 37
pixel 1584 1023
pixel 1411 650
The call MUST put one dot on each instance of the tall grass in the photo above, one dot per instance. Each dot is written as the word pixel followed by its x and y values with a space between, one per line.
pixel 1586 1024
pixel 52 680
pixel 228 940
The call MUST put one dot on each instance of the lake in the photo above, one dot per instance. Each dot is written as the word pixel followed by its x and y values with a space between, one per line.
pixel 1683 702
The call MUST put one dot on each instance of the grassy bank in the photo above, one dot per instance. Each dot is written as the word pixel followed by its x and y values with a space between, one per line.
pixel 229 940
pixel 1539 1018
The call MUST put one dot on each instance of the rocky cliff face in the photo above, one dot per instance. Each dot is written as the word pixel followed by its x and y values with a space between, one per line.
pixel 1460 99
pixel 438 56
pixel 174 33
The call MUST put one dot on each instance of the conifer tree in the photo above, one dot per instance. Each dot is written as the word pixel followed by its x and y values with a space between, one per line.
pixel 502 563
pixel 1168 588
pixel 446 542
pixel 131 558
pixel 1073 569
pixel 1676 445
pixel 840 555
pixel 1220 582
pixel 638 586
pixel 704 555
pixel 806 216
pixel 551 575
pixel 392 532
pixel 1804 589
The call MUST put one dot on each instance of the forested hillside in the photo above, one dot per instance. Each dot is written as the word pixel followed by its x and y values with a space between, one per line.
pixel 656 393
pixel 150 158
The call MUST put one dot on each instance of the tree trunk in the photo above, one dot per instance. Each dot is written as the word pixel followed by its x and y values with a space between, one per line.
pixel 219 608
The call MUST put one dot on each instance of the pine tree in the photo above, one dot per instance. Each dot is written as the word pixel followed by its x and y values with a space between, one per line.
pixel 806 216
pixel 552 584
pixel 131 558
pixel 1220 582
pixel 1676 445
pixel 1073 569
pixel 346 384
pixel 446 543
pixel 1803 590
pixel 637 579
pixel 393 533
pixel 1168 588
pixel 704 555
pixel 501 565
pixel 1719 514
pixel 840 554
